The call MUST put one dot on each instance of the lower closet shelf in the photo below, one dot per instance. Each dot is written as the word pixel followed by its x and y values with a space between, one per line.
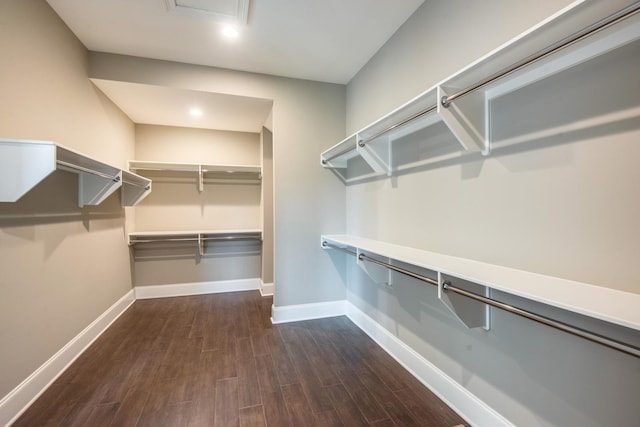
pixel 200 237
pixel 609 305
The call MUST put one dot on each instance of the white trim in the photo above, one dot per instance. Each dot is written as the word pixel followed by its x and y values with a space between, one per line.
pixel 198 288
pixel 21 397
pixel 266 289
pixel 294 313
pixel 466 404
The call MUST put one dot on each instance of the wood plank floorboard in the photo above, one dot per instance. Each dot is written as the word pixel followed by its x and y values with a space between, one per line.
pixel 216 360
pixel 252 416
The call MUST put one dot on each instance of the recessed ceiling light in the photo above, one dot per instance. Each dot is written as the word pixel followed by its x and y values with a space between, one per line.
pixel 230 32
pixel 195 112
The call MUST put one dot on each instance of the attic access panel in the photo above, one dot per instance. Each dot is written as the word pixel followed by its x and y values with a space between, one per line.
pixel 229 11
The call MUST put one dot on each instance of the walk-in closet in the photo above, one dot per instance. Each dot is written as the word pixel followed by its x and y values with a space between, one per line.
pixel 278 213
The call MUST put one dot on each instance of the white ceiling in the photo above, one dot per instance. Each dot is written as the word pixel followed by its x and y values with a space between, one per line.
pixel 322 40
pixel 155 105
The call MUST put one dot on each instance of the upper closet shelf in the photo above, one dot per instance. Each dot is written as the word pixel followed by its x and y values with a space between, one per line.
pixel 455 117
pixel 23 164
pixel 241 172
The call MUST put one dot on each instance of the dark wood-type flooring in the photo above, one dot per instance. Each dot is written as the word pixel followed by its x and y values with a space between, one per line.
pixel 216 360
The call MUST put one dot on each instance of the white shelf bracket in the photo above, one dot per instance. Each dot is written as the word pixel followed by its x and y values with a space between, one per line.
pixel 379 274
pixel 94 189
pixel 460 125
pixel 200 245
pixel 377 154
pixel 200 179
pixel 131 195
pixel 23 166
pixel 472 314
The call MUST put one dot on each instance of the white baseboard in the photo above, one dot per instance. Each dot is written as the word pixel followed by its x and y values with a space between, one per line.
pixel 199 288
pixel 453 394
pixel 266 289
pixel 295 313
pixel 21 397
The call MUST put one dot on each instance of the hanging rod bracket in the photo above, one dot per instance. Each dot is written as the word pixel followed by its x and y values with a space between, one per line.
pixel 378 271
pixel 473 314
pixel 445 101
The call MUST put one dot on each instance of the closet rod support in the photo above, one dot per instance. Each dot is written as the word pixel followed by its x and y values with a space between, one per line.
pixel 590 336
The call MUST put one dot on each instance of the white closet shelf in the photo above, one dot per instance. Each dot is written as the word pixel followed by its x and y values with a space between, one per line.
pixel 460 105
pixel 170 233
pixel 610 305
pixel 192 167
pixel 231 172
pixel 24 164
pixel 198 236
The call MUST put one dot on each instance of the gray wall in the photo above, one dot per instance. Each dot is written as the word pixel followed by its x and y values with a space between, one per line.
pixel 567 208
pixel 190 145
pixel 60 266
pixel 307 117
pixel 266 144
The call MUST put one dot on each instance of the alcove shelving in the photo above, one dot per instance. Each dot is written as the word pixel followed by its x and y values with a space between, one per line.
pixel 24 164
pixel 220 171
pixel 204 173
pixel 472 110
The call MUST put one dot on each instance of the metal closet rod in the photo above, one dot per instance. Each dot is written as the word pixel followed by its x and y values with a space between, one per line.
pixel 79 168
pixel 447 286
pixel 114 178
pixel 364 257
pixel 446 100
pixel 338 154
pixel 135 184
